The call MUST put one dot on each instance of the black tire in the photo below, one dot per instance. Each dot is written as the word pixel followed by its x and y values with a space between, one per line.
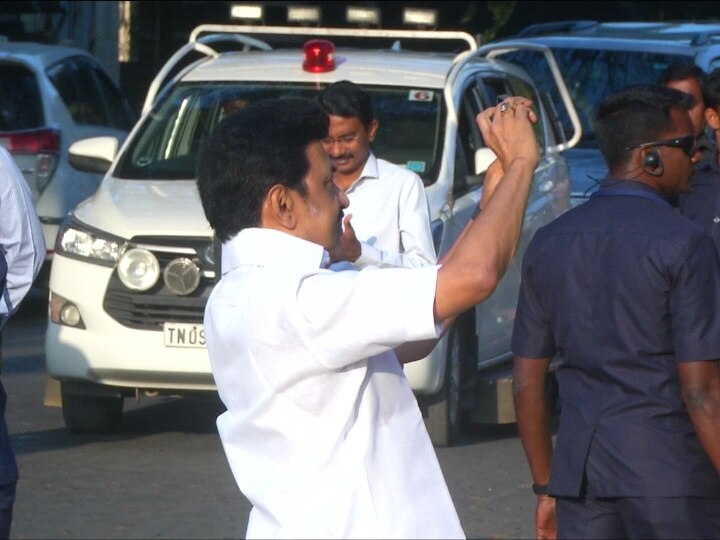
pixel 444 412
pixel 91 414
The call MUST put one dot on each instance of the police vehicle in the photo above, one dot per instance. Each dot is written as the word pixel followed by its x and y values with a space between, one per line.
pixel 135 263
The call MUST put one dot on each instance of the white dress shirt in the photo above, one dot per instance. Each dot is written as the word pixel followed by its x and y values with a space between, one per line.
pixel 322 431
pixel 21 236
pixel 390 216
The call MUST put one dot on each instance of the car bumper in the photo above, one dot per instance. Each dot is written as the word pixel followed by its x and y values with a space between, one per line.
pixel 105 351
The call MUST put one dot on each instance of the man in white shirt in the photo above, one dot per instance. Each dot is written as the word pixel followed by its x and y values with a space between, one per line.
pixel 23 251
pixel 322 431
pixel 388 205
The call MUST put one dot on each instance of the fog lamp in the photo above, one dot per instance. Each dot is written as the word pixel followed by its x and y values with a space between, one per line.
pixel 64 312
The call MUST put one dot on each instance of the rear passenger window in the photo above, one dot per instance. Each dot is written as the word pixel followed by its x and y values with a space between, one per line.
pixel 120 115
pixel 20 103
pixel 79 90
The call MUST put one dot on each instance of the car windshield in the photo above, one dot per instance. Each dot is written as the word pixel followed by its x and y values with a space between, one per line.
pixel 20 103
pixel 165 147
pixel 593 74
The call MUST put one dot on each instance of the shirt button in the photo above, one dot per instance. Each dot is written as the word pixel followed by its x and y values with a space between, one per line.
pixel 716 219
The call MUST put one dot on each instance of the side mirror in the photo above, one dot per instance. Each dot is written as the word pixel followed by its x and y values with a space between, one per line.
pixel 94 155
pixel 483 158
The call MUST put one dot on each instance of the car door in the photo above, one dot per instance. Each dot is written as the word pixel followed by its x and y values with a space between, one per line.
pixel 549 197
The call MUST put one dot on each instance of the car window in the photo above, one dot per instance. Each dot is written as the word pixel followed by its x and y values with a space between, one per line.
pixel 593 74
pixel 410 129
pixel 20 102
pixel 119 113
pixel 468 141
pixel 73 78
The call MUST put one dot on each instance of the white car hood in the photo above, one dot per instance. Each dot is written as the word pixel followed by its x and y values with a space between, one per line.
pixel 128 208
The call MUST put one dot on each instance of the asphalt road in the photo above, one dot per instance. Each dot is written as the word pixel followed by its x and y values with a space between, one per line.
pixel 164 475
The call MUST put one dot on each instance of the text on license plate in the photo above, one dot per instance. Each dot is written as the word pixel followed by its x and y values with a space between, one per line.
pixel 184 335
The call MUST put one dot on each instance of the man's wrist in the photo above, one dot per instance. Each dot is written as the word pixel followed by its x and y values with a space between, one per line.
pixel 540 489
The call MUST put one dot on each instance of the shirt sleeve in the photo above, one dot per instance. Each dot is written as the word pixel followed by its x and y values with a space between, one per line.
pixel 415 235
pixel 21 236
pixel 352 315
pixel 532 333
pixel 694 301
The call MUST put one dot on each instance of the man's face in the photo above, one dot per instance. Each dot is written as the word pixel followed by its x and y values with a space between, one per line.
pixel 697 112
pixel 319 212
pixel 348 144
pixel 677 165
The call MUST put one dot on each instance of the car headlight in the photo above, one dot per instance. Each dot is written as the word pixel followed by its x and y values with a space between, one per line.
pixel 80 241
pixel 138 269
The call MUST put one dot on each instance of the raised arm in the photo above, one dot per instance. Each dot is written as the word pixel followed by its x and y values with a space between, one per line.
pixel 474 264
pixel 479 258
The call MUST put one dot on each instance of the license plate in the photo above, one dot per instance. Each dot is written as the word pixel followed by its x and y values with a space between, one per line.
pixel 184 335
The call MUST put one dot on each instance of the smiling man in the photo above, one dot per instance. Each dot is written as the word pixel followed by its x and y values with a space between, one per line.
pixel 387 203
pixel 322 431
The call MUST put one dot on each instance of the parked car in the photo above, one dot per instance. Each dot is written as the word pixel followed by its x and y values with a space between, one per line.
pixel 135 263
pixel 50 97
pixel 597 59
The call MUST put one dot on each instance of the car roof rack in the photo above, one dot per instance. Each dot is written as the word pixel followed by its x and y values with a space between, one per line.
pixel 704 38
pixel 203 36
pixel 452 35
pixel 541 29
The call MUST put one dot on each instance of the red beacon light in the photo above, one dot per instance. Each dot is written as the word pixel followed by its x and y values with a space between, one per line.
pixel 319 56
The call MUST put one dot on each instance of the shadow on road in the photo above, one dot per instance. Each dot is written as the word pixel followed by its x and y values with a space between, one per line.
pixel 162 416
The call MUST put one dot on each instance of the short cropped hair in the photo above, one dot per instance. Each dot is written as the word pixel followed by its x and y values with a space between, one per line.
pixel 635 115
pixel 711 89
pixel 252 150
pixel 347 99
pixel 680 72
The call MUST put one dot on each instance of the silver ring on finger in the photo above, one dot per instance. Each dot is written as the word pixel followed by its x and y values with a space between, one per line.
pixel 505 107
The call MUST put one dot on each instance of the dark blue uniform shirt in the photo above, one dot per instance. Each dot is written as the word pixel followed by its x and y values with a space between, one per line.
pixel 621 288
pixel 702 202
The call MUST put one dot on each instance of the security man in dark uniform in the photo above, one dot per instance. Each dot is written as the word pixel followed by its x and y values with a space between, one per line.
pixel 625 291
pixel 702 202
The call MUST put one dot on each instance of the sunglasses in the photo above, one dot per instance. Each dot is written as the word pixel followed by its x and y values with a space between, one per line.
pixel 686 143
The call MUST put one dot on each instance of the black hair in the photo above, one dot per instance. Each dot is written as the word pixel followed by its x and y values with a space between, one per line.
pixel 347 99
pixel 635 115
pixel 252 150
pixel 711 89
pixel 680 72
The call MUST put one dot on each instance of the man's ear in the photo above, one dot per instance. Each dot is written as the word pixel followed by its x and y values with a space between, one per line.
pixel 278 208
pixel 372 130
pixel 713 118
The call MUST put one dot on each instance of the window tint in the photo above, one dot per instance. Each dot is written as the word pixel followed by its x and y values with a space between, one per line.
pixel 410 130
pixel 467 142
pixel 79 90
pixel 591 75
pixel 20 103
pixel 120 114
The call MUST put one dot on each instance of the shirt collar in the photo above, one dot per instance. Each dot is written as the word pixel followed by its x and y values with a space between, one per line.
pixel 621 183
pixel 269 247
pixel 709 162
pixel 370 171
pixel 619 186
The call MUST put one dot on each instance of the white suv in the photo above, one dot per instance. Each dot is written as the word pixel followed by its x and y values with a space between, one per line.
pixel 135 263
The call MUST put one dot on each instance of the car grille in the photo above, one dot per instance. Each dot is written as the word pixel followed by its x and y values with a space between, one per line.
pixel 149 310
